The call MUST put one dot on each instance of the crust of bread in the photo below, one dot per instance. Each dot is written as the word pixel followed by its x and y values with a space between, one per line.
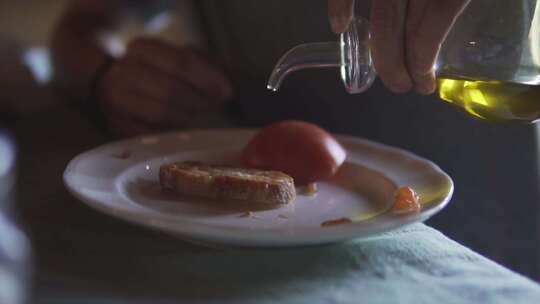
pixel 225 183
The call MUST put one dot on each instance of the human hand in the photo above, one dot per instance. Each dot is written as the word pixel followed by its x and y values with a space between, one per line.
pixel 156 86
pixel 406 37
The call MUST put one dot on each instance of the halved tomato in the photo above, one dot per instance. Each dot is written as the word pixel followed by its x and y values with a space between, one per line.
pixel 303 150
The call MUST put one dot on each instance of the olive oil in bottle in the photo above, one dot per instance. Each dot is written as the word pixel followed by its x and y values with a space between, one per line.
pixel 492 100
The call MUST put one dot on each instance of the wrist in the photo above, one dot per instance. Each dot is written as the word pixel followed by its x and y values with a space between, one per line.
pixel 91 105
pixel 95 80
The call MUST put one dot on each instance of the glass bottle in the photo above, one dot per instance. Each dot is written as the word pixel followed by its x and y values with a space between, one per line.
pixel 15 260
pixel 489 64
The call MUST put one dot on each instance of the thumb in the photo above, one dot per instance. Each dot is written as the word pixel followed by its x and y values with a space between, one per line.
pixel 340 14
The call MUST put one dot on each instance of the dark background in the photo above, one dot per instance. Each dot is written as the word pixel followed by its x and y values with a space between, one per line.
pixel 495 209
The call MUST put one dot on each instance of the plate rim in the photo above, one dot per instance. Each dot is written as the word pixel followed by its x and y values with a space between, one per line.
pixel 272 239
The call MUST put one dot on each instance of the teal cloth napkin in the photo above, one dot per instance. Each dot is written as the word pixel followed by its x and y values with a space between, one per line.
pixel 416 264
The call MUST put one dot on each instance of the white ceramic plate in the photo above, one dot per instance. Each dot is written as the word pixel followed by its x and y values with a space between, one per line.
pixel 121 179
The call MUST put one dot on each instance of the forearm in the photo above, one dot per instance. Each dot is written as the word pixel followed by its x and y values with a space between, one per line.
pixel 76 51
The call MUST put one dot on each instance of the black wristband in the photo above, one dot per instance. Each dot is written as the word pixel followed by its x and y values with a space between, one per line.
pixel 91 106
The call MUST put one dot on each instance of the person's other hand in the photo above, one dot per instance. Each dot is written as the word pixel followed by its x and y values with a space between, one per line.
pixel 156 86
pixel 406 37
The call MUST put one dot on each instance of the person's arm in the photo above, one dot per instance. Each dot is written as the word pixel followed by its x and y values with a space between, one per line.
pixel 154 85
pixel 406 37
pixel 77 55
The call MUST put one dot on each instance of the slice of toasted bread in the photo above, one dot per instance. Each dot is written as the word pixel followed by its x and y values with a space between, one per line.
pixel 228 183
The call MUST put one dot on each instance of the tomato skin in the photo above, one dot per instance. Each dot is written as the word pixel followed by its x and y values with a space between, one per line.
pixel 406 200
pixel 303 150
